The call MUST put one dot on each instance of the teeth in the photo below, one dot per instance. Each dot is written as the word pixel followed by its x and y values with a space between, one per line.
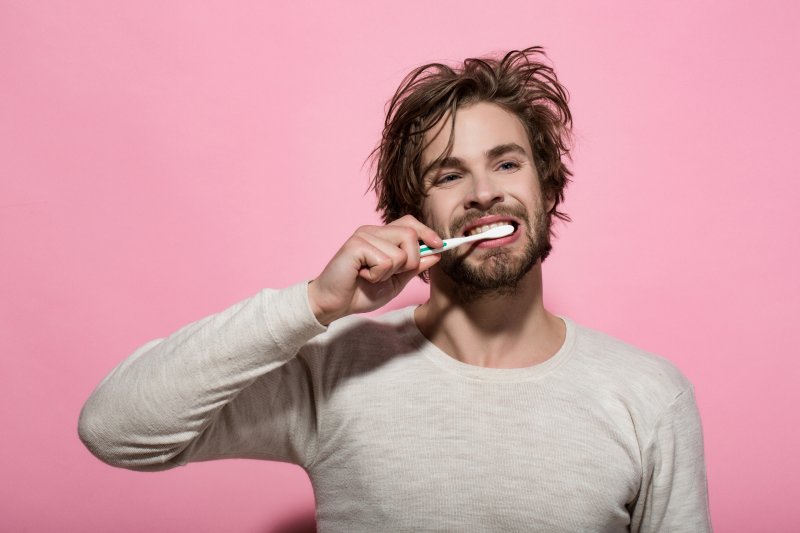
pixel 486 227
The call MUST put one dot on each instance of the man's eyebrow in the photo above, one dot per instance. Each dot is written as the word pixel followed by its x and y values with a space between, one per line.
pixel 504 149
pixel 454 162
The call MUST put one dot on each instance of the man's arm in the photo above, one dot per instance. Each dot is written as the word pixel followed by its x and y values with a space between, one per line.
pixel 674 493
pixel 227 385
pixel 156 402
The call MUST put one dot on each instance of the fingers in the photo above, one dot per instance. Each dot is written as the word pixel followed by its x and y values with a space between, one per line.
pixel 424 233
pixel 399 245
pixel 381 259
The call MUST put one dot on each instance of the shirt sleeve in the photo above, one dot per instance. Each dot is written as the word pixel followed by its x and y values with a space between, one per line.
pixel 228 385
pixel 674 493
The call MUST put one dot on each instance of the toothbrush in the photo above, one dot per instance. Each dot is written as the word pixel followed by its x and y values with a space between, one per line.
pixel 449 244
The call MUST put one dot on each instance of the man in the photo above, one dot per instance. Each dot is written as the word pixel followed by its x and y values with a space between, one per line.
pixel 478 410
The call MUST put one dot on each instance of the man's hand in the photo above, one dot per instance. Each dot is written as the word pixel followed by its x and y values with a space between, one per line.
pixel 371 268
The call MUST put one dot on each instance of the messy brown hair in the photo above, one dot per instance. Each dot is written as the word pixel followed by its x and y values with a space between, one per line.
pixel 522 82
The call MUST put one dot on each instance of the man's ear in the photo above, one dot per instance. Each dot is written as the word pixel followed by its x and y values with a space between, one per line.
pixel 549 203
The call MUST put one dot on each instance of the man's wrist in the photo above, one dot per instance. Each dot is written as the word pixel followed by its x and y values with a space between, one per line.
pixel 323 317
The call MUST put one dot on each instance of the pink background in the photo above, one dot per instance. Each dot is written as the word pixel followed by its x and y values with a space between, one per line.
pixel 162 160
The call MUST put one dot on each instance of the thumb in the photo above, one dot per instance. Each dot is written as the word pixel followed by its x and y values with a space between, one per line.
pixel 427 262
pixel 424 264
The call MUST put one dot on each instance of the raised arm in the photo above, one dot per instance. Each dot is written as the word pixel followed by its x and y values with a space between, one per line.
pixel 156 402
pixel 229 385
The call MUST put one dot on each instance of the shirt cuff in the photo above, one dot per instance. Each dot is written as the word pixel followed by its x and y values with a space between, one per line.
pixel 289 318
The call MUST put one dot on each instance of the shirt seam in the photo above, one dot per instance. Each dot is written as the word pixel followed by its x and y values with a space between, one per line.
pixel 664 412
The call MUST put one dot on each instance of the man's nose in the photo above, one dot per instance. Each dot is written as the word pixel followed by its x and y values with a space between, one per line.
pixel 483 194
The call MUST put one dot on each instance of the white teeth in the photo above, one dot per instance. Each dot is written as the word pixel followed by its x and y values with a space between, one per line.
pixel 485 227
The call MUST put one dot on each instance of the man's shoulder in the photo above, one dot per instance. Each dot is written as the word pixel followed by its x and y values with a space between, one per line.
pixel 368 331
pixel 390 322
pixel 362 350
pixel 629 367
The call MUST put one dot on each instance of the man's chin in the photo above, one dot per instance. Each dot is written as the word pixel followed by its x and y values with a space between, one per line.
pixel 491 271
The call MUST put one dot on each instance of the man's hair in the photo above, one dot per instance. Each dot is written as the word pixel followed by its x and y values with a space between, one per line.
pixel 523 82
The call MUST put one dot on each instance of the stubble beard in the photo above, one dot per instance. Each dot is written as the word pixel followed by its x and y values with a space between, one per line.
pixel 499 271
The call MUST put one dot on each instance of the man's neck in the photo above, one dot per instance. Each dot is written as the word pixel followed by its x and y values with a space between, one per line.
pixel 503 329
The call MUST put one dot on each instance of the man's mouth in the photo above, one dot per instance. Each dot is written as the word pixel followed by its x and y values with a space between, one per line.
pixel 480 228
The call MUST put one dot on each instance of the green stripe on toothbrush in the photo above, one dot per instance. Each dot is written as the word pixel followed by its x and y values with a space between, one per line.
pixel 427 248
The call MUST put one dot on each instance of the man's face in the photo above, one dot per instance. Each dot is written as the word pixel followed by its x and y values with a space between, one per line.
pixel 488 178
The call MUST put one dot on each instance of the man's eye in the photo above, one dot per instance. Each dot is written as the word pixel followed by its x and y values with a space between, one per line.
pixel 509 165
pixel 447 178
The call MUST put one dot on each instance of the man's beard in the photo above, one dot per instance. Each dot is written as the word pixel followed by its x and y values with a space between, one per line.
pixel 499 271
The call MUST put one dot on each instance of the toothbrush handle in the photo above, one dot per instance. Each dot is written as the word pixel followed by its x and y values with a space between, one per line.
pixel 426 250
pixel 449 244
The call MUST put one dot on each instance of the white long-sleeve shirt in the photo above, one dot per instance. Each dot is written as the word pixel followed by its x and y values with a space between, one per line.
pixel 398 436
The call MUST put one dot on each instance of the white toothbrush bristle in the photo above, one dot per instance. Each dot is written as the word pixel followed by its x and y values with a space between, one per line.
pixel 500 231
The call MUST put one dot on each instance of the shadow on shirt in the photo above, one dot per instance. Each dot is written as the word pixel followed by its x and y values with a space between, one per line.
pixel 300 523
